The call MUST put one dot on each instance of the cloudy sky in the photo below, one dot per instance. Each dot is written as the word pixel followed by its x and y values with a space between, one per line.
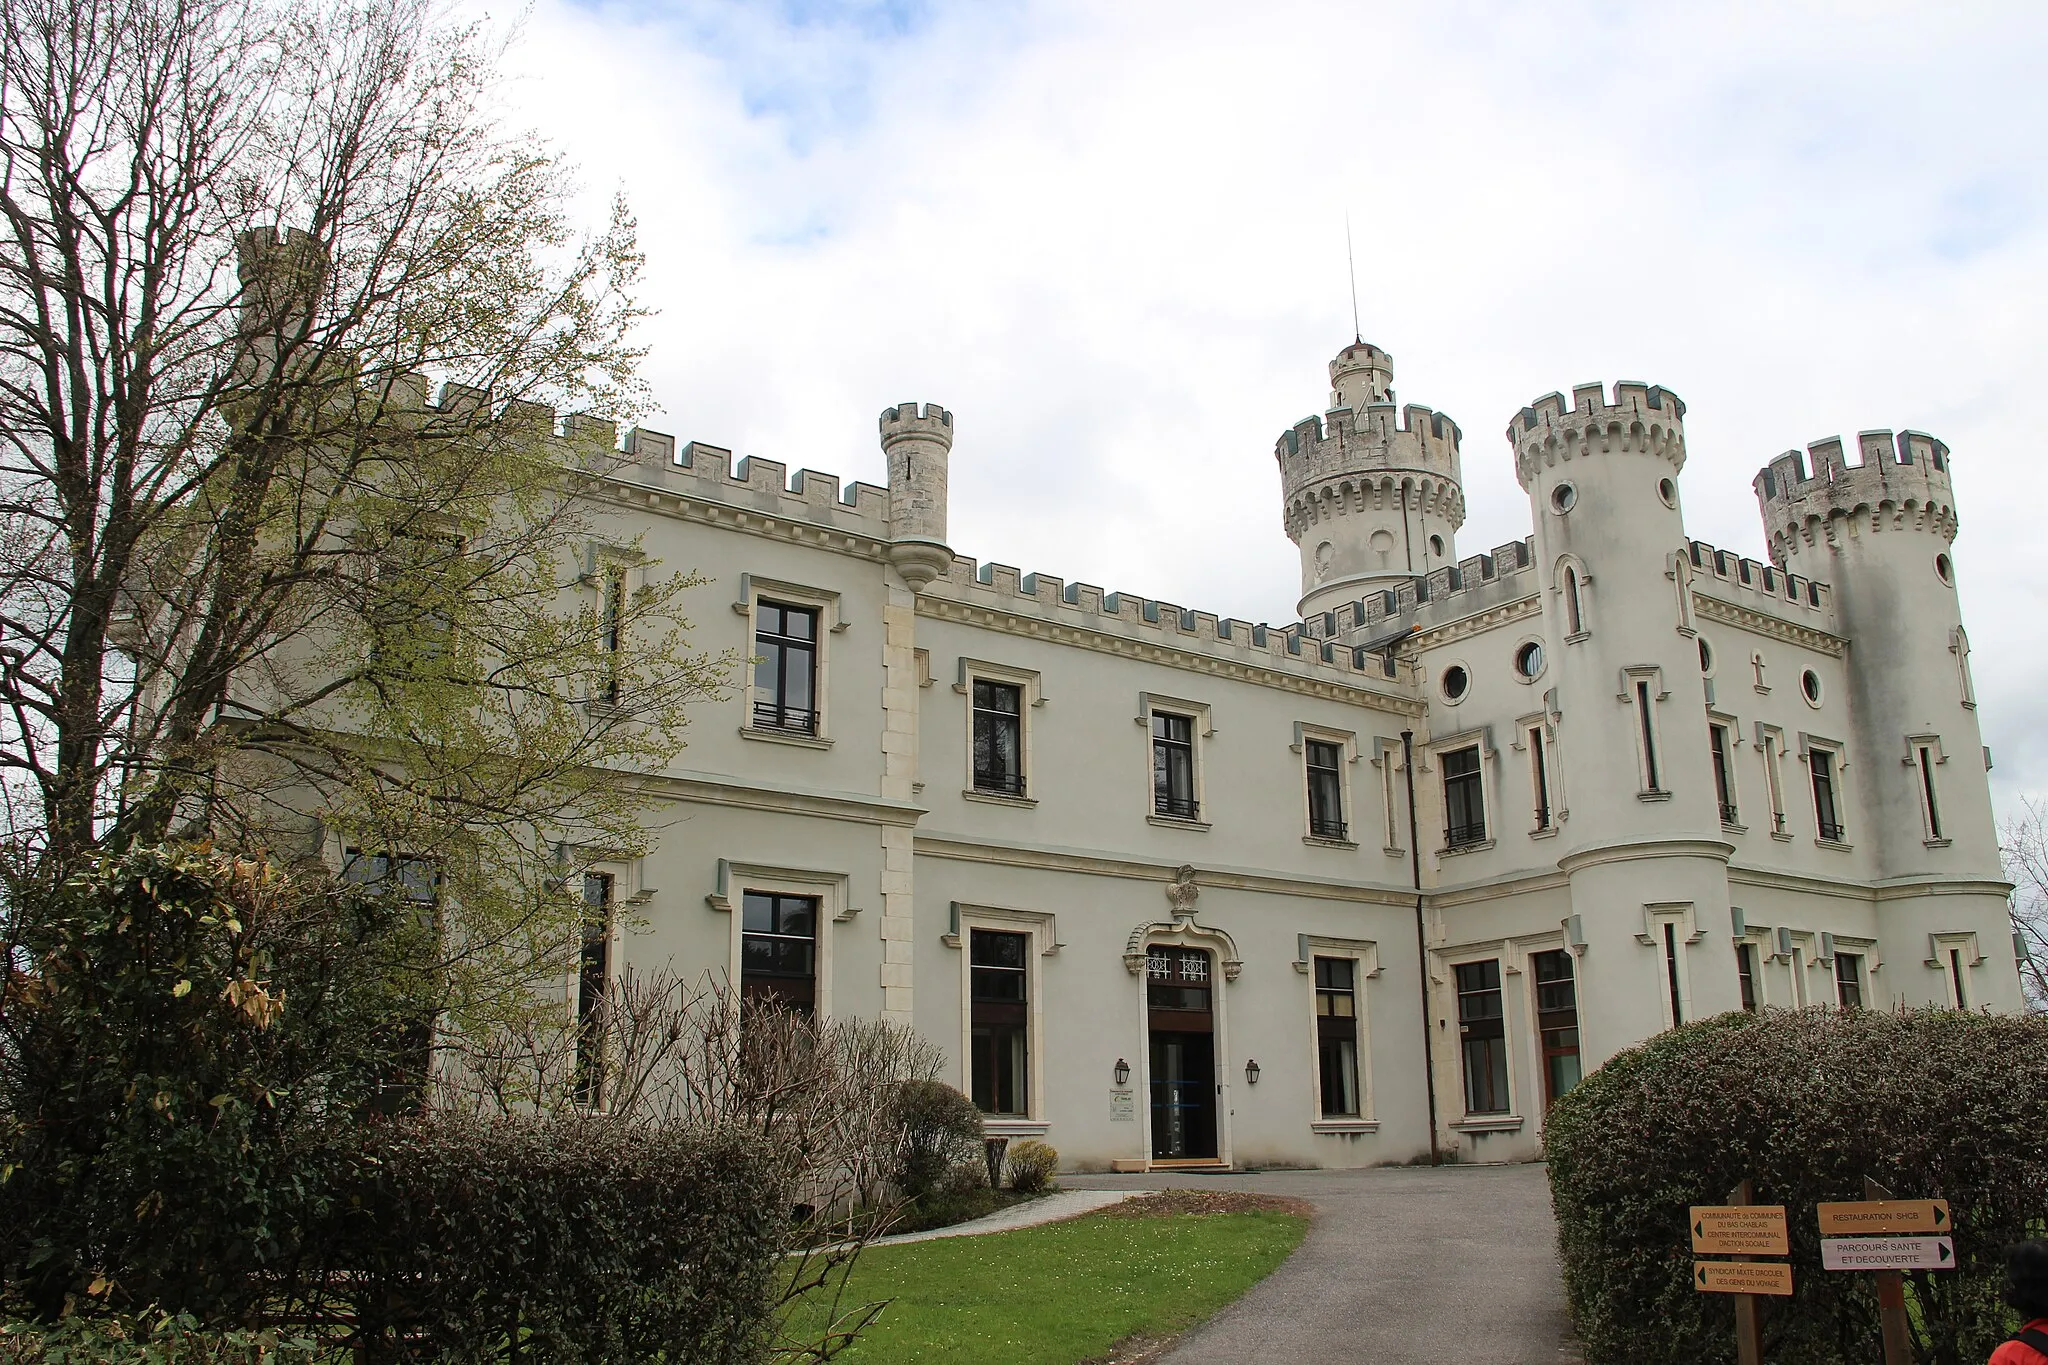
pixel 1111 237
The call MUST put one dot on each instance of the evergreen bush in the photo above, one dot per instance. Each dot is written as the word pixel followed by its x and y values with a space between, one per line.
pixel 1032 1166
pixel 940 1131
pixel 1930 1103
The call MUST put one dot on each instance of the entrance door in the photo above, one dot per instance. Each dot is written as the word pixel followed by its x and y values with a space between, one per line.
pixel 1180 1020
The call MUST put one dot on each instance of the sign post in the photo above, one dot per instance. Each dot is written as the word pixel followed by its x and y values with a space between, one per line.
pixel 1742 1229
pixel 1879 1212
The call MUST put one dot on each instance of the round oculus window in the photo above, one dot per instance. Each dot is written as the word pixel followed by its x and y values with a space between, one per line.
pixel 1456 683
pixel 1944 570
pixel 1668 491
pixel 1809 687
pixel 1529 660
pixel 1564 497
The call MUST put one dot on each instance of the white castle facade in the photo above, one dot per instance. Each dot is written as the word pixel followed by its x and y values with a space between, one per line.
pixel 1169 887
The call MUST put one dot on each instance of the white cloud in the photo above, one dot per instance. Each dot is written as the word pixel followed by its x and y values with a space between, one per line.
pixel 1110 237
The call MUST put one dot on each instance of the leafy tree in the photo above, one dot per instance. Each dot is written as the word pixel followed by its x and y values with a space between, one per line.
pixel 254 584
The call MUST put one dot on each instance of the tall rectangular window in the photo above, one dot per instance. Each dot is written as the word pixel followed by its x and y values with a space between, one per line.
pixel 1931 806
pixel 1826 816
pixel 779 950
pixel 998 737
pixel 1325 789
pixel 1849 980
pixel 1671 972
pixel 1959 978
pixel 1557 1021
pixel 1745 973
pixel 1653 779
pixel 1724 777
pixel 614 629
pixel 1337 1036
pixel 1482 1037
pixel 1464 806
pixel 1539 776
pixel 999 987
pixel 786 678
pixel 1774 749
pixel 593 988
pixel 1173 766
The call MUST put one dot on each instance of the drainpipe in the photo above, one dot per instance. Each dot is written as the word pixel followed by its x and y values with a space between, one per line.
pixel 1421 944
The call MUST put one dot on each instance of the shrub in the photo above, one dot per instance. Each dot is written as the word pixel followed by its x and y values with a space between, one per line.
pixel 147 1339
pixel 1032 1165
pixel 190 1032
pixel 567 1239
pixel 940 1130
pixel 1930 1103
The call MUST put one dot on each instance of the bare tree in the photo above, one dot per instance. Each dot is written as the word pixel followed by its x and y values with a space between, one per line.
pixel 821 1094
pixel 2023 848
pixel 258 579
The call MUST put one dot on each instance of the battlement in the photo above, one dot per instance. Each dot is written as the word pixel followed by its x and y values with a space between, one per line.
pixel 906 421
pixel 1898 482
pixel 1760 587
pixel 1085 607
pixel 1642 417
pixel 1342 442
pixel 1451 593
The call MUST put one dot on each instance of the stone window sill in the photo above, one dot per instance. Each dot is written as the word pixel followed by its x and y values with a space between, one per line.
pixel 1781 836
pixel 1727 828
pixel 1454 850
pixel 1937 843
pixel 1395 852
pixel 1489 1123
pixel 785 737
pixel 996 1125
pixel 1345 1126
pixel 1654 794
pixel 999 799
pixel 1547 832
pixel 1170 822
pixel 1316 841
pixel 1835 844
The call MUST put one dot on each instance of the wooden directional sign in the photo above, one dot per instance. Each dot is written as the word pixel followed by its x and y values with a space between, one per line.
pixel 1742 1277
pixel 1885 1215
pixel 1887 1253
pixel 1739 1230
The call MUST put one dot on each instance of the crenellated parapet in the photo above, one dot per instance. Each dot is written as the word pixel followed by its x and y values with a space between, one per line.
pixel 1475 584
pixel 1346 454
pixel 1641 418
pixel 1082 614
pixel 1898 484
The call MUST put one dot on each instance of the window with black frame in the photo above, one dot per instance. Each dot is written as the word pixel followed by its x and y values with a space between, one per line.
pixel 593 986
pixel 1557 1020
pixel 1745 974
pixel 1724 780
pixel 1173 766
pixel 786 671
pixel 614 629
pixel 1482 1037
pixel 1826 817
pixel 1849 980
pixel 1325 788
pixel 1337 1036
pixel 415 881
pixel 779 950
pixel 408 877
pixel 1464 806
pixel 998 737
pixel 999 1025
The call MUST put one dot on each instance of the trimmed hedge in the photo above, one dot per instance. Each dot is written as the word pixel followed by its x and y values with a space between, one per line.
pixel 571 1239
pixel 1931 1103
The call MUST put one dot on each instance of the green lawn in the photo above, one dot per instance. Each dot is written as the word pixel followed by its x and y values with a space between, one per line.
pixel 1063 1292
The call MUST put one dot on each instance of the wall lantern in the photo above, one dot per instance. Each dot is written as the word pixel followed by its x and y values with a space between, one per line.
pixel 1251 1071
pixel 1123 1072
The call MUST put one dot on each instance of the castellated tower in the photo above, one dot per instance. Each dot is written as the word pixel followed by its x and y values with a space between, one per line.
pixel 1879 533
pixel 1372 497
pixel 917 442
pixel 1643 844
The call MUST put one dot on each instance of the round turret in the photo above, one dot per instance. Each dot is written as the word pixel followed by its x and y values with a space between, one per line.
pixel 917 442
pixel 1878 533
pixel 1371 495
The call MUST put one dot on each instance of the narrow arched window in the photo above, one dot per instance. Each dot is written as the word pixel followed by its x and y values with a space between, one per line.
pixel 1574 617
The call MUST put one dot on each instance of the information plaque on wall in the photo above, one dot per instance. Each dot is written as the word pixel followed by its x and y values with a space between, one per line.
pixel 1123 1106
